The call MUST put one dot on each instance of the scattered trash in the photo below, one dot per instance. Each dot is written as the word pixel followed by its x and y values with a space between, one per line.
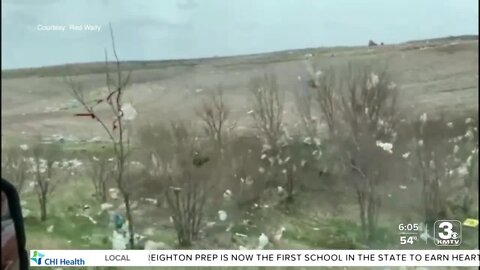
pixel 222 215
pixel 149 231
pixel 402 187
pixel 26 212
pixel 471 222
pixel 227 194
pixel 152 201
pixel 152 245
pixel 262 241
pixel 114 193
pixel 372 81
pixel 24 147
pixel 431 164
pixel 387 147
pixel 88 217
pixel 210 224
pixel 95 140
pixel 469 135
pixel 138 238
pixel 50 229
pixel 271 160
pixel 119 240
pixel 462 171
pixel 303 163
pixel 129 112
pixel 106 206
pixel 134 205
pixel 423 118
pixel 266 147
pixel 277 237
pixel 391 85
pixel 118 221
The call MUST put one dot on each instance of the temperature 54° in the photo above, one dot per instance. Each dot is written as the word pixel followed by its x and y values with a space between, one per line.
pixel 404 240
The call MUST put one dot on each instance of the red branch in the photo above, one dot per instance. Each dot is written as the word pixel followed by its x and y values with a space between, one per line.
pixel 86 114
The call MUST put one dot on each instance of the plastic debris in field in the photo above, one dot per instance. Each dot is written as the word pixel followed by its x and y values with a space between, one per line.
pixel 262 241
pixel 129 112
pixel 471 222
pixel 118 221
pixel 119 240
pixel 222 215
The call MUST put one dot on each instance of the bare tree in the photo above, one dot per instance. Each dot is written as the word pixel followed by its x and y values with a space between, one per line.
pixel 361 123
pixel 175 166
pixel 369 110
pixel 268 105
pixel 15 166
pixel 117 129
pixel 446 168
pixel 44 164
pixel 305 104
pixel 187 194
pixel 100 171
pixel 370 114
pixel 322 85
pixel 268 111
pixel 214 114
pixel 158 149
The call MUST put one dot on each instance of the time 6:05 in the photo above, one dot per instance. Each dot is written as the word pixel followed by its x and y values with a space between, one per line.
pixel 408 227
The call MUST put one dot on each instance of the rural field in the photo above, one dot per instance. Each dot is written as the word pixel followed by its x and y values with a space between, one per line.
pixel 328 148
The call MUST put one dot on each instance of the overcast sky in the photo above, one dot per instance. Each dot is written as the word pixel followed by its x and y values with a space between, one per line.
pixel 172 29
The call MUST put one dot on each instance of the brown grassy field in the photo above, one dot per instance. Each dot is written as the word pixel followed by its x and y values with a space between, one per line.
pixel 439 77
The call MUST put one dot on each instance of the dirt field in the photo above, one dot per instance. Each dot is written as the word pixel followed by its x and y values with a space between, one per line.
pixel 435 76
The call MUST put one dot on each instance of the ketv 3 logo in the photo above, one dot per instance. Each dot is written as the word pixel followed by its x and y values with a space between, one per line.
pixel 40 259
pixel 37 257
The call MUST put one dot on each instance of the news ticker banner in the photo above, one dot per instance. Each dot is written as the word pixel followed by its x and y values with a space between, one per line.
pixel 273 258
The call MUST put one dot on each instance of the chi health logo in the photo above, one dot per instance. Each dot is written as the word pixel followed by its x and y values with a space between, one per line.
pixel 37 257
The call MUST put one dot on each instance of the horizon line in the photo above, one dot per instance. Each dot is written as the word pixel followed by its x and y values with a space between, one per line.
pixel 463 36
